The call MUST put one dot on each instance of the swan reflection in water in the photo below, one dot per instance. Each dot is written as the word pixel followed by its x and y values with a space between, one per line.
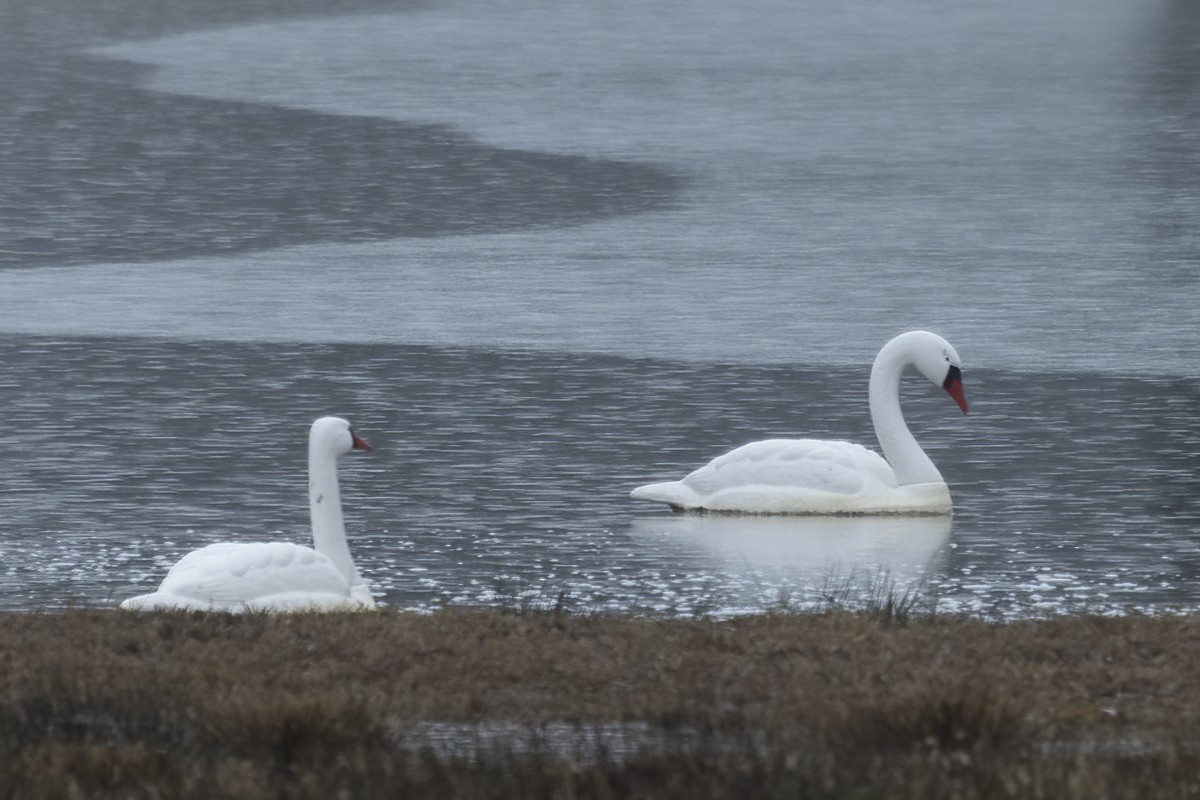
pixel 802 559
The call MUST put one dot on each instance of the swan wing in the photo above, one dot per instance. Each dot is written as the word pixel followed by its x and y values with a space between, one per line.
pixel 817 464
pixel 236 576
pixel 781 476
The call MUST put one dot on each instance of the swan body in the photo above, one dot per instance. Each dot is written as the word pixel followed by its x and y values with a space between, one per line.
pixel 812 476
pixel 798 476
pixel 277 576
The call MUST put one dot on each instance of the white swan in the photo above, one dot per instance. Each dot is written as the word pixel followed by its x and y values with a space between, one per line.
pixel 811 476
pixel 278 576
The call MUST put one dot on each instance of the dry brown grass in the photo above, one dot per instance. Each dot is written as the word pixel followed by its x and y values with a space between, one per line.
pixel 102 703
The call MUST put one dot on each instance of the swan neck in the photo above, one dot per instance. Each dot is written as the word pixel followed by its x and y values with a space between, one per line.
pixel 900 448
pixel 325 510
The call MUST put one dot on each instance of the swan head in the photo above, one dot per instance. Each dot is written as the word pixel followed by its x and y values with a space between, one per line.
pixel 334 435
pixel 937 360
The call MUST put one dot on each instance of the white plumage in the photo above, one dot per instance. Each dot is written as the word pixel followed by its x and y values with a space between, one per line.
pixel 237 576
pixel 816 476
pixel 277 576
pixel 780 476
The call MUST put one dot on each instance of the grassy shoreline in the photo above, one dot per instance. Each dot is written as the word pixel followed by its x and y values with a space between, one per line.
pixel 840 704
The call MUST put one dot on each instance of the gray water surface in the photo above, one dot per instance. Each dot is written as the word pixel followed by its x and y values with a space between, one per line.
pixel 503 478
pixel 541 253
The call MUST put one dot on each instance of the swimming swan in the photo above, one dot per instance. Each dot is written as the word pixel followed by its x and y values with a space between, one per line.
pixel 813 476
pixel 278 576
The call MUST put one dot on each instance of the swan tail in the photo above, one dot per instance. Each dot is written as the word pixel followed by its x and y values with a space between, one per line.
pixel 674 493
pixel 158 601
pixel 138 603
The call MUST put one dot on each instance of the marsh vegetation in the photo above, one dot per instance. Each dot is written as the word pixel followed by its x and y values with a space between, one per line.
pixel 521 703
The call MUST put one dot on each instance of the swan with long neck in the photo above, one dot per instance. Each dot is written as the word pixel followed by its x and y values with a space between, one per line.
pixel 813 476
pixel 278 576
